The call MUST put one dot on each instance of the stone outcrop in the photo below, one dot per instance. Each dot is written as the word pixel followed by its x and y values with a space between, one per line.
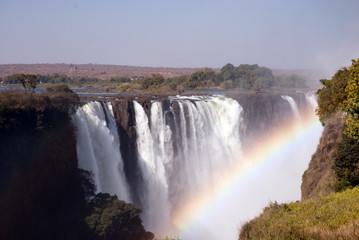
pixel 319 178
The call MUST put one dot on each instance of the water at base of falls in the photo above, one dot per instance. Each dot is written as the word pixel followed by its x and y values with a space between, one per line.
pixel 183 148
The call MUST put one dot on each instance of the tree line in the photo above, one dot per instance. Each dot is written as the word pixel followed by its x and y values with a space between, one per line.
pixel 244 76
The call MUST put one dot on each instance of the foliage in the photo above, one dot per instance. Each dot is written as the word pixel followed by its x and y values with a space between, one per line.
pixel 351 104
pixel 346 164
pixel 28 81
pixel 332 94
pixel 120 79
pixel 290 81
pixel 332 217
pixel 246 76
pixel 115 219
pixel 156 79
pixel 201 78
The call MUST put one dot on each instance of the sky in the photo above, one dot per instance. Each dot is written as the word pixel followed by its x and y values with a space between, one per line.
pixel 282 34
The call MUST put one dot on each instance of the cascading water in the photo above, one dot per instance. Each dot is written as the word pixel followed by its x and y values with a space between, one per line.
pixel 206 133
pixel 184 145
pixel 293 106
pixel 98 148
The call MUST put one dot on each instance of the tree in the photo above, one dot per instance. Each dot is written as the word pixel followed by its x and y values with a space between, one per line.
pixel 351 104
pixel 28 81
pixel 346 164
pixel 115 219
pixel 332 95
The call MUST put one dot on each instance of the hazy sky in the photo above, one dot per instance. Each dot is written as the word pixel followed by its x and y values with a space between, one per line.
pixel 181 33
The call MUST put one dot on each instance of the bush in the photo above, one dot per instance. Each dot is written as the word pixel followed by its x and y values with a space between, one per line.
pixel 346 164
pixel 115 219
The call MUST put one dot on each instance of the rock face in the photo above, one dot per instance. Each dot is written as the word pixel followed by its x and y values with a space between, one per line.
pixel 264 111
pixel 125 118
pixel 319 178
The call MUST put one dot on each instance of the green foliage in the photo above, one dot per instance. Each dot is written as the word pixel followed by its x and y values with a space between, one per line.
pixel 120 79
pixel 346 164
pixel 351 104
pixel 28 81
pixel 115 219
pixel 290 81
pixel 246 76
pixel 333 94
pixel 333 217
pixel 155 80
pixel 201 78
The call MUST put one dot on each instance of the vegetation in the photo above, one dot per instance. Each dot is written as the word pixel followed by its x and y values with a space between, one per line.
pixel 346 164
pixel 351 104
pixel 28 81
pixel 43 194
pixel 333 94
pixel 332 217
pixel 244 76
pixel 114 219
pixel 341 93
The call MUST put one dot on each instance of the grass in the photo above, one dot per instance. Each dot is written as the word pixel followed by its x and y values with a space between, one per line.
pixel 332 217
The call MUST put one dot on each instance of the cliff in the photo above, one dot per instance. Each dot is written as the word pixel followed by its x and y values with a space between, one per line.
pixel 41 194
pixel 319 178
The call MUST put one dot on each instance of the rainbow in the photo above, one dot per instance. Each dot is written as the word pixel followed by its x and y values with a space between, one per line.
pixel 274 145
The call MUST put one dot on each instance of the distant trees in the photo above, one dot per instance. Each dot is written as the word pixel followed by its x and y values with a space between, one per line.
pixel 28 81
pixel 290 81
pixel 245 76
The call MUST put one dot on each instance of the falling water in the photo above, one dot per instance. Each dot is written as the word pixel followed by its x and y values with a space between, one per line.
pixel 98 148
pixel 182 147
pixel 206 135
pixel 293 106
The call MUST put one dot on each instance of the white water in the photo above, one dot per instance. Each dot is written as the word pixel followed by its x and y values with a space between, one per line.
pixel 98 148
pixel 177 161
pixel 207 139
pixel 156 207
pixel 293 106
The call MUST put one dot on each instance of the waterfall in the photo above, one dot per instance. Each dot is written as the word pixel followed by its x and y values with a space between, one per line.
pixel 184 144
pixel 293 106
pixel 151 158
pixel 311 98
pixel 98 148
pixel 207 138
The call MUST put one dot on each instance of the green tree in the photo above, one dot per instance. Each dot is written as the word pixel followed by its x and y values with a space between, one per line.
pixel 115 219
pixel 28 81
pixel 253 77
pixel 332 95
pixel 351 104
pixel 346 164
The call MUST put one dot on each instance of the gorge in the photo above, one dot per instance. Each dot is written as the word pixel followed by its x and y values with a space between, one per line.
pixel 199 165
